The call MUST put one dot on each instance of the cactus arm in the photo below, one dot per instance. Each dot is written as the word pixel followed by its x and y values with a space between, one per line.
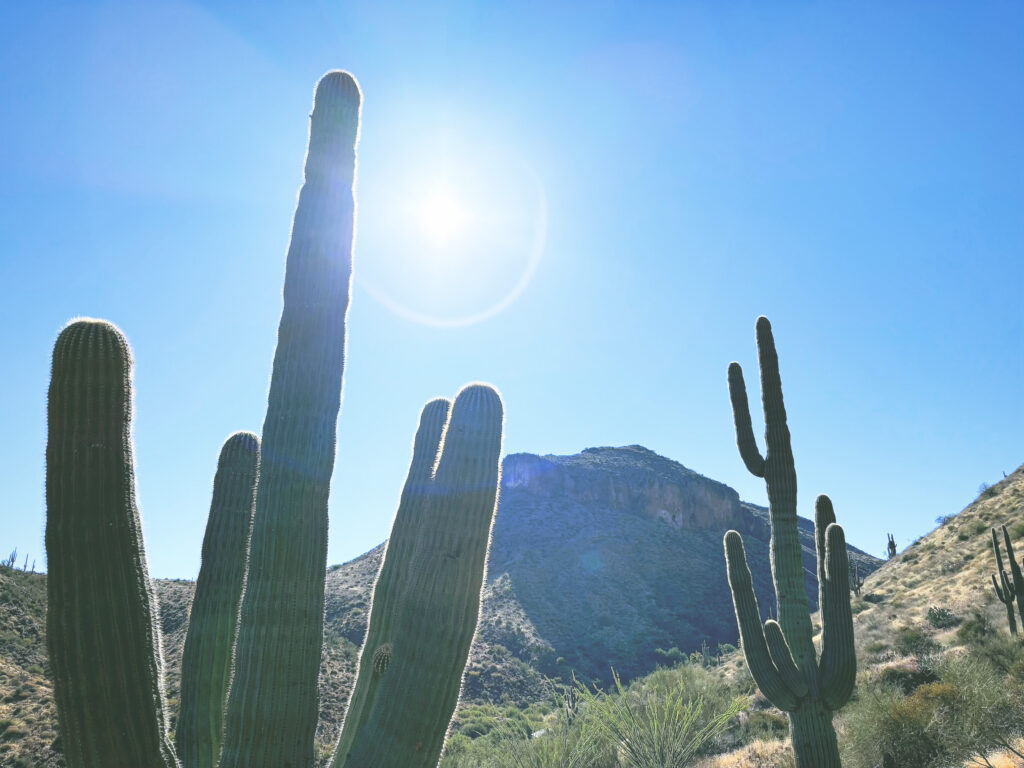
pixel 824 516
pixel 213 619
pixel 741 417
pixel 752 636
pixel 273 707
pixel 838 657
pixel 778 648
pixel 999 592
pixel 995 549
pixel 103 634
pixel 426 600
pixel 1018 577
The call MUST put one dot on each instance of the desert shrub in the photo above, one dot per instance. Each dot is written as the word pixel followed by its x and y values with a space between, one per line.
pixel 942 618
pixel 907 679
pixel 971 708
pixel 976 630
pixel 914 641
pixel 766 725
pixel 873 597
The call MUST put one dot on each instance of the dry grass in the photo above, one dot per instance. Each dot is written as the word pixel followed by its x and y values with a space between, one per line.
pixel 947 568
pixel 757 754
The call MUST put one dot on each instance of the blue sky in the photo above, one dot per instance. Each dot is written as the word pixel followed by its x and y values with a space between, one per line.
pixel 635 183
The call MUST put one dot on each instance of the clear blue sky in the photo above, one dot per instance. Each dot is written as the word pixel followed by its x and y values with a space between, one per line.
pixel 634 184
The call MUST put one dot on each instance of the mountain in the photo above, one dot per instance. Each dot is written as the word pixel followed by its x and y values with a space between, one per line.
pixel 598 560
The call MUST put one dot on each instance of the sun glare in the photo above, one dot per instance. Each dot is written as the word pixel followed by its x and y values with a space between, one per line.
pixel 442 216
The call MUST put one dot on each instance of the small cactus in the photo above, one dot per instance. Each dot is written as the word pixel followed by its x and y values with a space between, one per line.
pixel 856 582
pixel 1005 585
pixel 781 654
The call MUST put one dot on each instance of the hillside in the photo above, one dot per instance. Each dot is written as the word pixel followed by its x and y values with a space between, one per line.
pixel 598 559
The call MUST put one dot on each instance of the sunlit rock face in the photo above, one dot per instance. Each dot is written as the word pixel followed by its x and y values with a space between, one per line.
pixel 632 479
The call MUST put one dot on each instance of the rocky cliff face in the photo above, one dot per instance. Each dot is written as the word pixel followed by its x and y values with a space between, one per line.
pixel 633 480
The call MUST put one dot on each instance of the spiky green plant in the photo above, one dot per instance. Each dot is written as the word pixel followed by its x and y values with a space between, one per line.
pixel 426 601
pixel 213 619
pixel 274 701
pixel 1004 584
pixel 102 633
pixel 781 654
pixel 656 729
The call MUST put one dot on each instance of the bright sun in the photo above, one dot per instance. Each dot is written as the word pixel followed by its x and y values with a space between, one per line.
pixel 442 216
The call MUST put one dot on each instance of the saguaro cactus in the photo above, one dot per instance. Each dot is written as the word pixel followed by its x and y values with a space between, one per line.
pixel 426 600
pixel 102 633
pixel 213 620
pixel 856 582
pixel 273 705
pixel 891 547
pixel 1018 577
pixel 781 655
pixel 1003 584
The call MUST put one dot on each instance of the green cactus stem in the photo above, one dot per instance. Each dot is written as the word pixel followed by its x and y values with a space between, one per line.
pixel 781 655
pixel 1015 572
pixel 426 601
pixel 213 620
pixel 273 705
pixel 891 547
pixel 1004 584
pixel 102 632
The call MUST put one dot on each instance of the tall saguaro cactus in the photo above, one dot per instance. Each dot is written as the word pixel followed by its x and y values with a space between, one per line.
pixel 426 601
pixel 781 655
pixel 1003 583
pixel 273 705
pixel 102 632
pixel 213 620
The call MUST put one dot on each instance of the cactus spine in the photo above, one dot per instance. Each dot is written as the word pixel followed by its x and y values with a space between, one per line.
pixel 426 600
pixel 102 633
pixel 213 620
pixel 1004 585
pixel 781 655
pixel 273 705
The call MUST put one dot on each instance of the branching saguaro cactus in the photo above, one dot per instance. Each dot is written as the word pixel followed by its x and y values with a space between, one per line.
pixel 101 627
pixel 781 655
pixel 1005 585
pixel 426 601
pixel 1015 572
pixel 273 705
pixel 213 620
